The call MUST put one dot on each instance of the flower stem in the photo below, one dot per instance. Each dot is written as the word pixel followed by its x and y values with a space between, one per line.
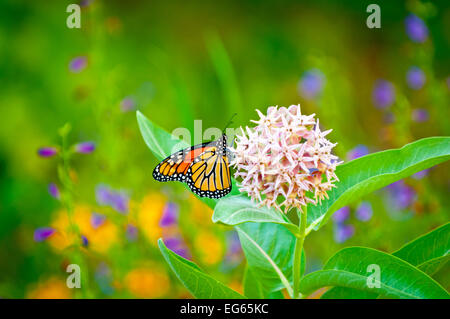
pixel 76 255
pixel 298 253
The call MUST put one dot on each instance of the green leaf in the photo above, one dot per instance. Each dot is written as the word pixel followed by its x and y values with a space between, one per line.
pixel 235 210
pixel 269 250
pixel 275 295
pixel 349 268
pixel 434 265
pixel 199 284
pixel 428 252
pixel 374 171
pixel 347 293
pixel 163 144
pixel 253 288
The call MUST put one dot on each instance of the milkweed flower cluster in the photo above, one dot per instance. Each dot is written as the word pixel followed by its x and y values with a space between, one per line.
pixel 285 160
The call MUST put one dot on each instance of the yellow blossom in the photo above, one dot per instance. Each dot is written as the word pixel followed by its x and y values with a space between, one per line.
pixel 200 212
pixel 149 215
pixel 147 282
pixel 52 288
pixel 99 239
pixel 209 248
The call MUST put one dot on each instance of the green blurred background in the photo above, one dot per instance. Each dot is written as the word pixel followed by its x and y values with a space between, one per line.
pixel 177 62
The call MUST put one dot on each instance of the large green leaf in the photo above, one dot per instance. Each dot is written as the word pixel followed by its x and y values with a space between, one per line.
pixel 374 171
pixel 349 268
pixel 199 284
pixel 253 288
pixel 160 142
pixel 429 253
pixel 163 144
pixel 238 209
pixel 348 293
pixel 269 250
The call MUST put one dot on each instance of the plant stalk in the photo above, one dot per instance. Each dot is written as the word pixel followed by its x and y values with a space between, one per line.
pixel 76 256
pixel 298 254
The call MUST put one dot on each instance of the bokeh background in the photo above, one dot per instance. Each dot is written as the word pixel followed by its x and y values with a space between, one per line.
pixel 176 62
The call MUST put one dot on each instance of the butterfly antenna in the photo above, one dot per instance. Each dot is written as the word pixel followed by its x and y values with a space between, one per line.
pixel 229 122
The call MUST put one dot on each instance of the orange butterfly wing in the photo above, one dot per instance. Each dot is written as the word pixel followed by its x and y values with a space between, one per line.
pixel 204 168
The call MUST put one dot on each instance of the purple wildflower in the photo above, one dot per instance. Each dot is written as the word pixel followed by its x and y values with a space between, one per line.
pixel 405 197
pixel 41 234
pixel 78 64
pixel 97 220
pixel 103 194
pixel 47 151
pixel 172 242
pixel 234 245
pixel 234 251
pixel 415 78
pixel 420 115
pixel 85 147
pixel 401 194
pixel 177 246
pixel 364 211
pixel 358 151
pixel 234 255
pixel 119 201
pixel 84 241
pixel 54 191
pixel 127 104
pixel 131 232
pixel 421 174
pixel 383 94
pixel 341 215
pixel 416 29
pixel 343 232
pixel 311 84
pixel 170 215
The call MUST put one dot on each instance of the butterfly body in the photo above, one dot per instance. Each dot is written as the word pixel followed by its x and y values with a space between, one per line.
pixel 204 168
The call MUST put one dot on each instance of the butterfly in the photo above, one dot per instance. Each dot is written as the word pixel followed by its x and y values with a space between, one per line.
pixel 205 168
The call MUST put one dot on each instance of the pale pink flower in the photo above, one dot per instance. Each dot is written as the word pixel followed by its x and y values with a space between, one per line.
pixel 285 161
